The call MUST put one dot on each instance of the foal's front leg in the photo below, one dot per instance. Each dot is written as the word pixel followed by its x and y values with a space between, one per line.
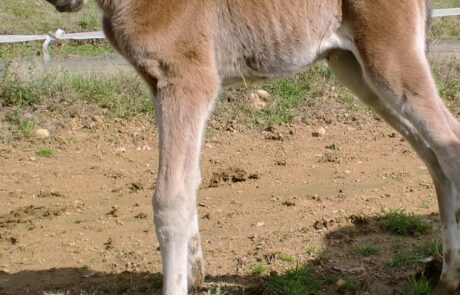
pixel 182 105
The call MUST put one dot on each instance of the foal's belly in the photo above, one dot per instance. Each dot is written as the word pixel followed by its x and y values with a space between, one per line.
pixel 268 39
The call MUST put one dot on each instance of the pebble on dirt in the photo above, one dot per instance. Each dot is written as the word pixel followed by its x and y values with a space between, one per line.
pixel 136 186
pixel 41 133
pixel 257 102
pixel 263 94
pixel 320 132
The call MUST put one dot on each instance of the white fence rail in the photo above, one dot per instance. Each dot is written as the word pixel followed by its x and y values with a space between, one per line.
pixel 446 12
pixel 61 35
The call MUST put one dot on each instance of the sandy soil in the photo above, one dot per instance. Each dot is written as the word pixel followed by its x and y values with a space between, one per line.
pixel 82 220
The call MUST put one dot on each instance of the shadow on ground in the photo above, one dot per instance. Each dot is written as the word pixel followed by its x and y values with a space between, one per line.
pixel 338 269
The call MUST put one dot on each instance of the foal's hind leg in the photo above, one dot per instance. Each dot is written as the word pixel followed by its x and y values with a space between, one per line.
pixel 349 71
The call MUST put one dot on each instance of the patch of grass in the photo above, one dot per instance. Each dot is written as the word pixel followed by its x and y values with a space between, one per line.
pixel 425 205
pixel 122 96
pixel 431 249
pixel 354 102
pixel 448 82
pixel 121 289
pixel 87 48
pixel 216 291
pixel 156 281
pixel 438 4
pixel 402 259
pixel 287 258
pixel 223 291
pixel 411 258
pixel 297 281
pixel 447 27
pixel 259 269
pixel 17 93
pixel 26 127
pixel 365 251
pixel 349 287
pixel 20 121
pixel 45 153
pixel 397 221
pixel 40 17
pixel 61 49
pixel 80 292
pixel 290 95
pixel 419 286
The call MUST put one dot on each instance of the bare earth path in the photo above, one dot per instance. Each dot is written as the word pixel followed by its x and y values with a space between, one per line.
pixel 81 220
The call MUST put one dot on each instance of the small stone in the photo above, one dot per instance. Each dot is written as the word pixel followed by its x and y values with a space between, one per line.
pixel 121 150
pixel 41 133
pixel 260 224
pixel 340 283
pixel 260 121
pixel 320 132
pixel 263 94
pixel 256 101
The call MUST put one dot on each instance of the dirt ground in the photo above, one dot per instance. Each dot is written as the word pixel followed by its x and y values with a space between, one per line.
pixel 81 220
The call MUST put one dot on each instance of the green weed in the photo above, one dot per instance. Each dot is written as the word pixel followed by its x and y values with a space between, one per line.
pixel 410 258
pixel 350 287
pixel 123 96
pixel 259 269
pixel 425 205
pixel 121 289
pixel 446 3
pixel 419 286
pixel 365 251
pixel 297 281
pixel 19 93
pixel 156 281
pixel 290 95
pixel 20 121
pixel 447 27
pixel 431 249
pixel 39 17
pixel 287 258
pixel 403 259
pixel 396 221
pixel 45 153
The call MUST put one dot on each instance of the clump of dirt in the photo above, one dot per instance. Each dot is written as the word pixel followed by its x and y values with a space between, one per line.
pixel 26 215
pixel 50 194
pixel 231 175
